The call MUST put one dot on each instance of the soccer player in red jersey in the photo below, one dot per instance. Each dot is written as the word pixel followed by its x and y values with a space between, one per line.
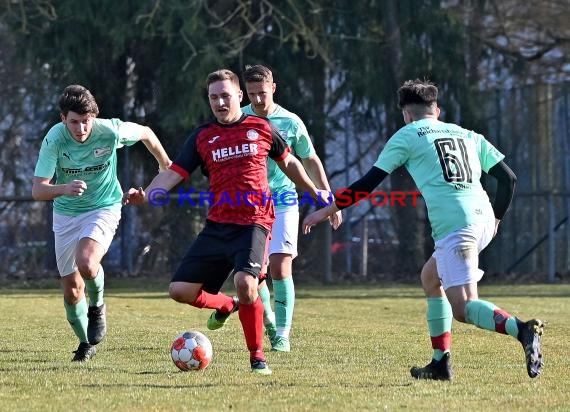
pixel 232 150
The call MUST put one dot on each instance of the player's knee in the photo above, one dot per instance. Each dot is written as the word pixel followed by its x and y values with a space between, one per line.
pixel 280 275
pixel 72 295
pixel 246 298
pixel 459 313
pixel 459 318
pixel 246 294
pixel 431 283
pixel 246 289
pixel 87 267
pixel 176 293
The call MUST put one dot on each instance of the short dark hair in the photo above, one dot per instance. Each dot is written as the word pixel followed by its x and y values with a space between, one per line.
pixel 78 99
pixel 257 74
pixel 421 92
pixel 220 75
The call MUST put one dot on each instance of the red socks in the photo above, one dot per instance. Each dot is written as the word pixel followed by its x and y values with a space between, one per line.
pixel 441 342
pixel 251 318
pixel 219 301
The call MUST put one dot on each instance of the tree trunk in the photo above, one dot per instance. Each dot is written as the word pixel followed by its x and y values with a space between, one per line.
pixel 317 76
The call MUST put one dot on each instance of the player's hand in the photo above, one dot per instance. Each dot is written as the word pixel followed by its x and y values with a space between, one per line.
pixel 134 196
pixel 314 218
pixel 336 220
pixel 75 188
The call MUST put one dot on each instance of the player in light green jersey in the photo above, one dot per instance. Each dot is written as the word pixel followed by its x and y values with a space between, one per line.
pixel 260 89
pixel 446 163
pixel 81 152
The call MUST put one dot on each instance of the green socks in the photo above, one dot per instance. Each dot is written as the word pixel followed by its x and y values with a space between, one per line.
pixel 264 295
pixel 486 315
pixel 439 318
pixel 284 297
pixel 77 318
pixel 95 288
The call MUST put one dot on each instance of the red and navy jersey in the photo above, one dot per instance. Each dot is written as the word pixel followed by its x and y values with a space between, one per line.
pixel 234 158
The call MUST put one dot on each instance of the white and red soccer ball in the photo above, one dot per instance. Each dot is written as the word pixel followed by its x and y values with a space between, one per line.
pixel 191 351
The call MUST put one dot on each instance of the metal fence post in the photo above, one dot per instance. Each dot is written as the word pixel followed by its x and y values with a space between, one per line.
pixel 364 250
pixel 551 239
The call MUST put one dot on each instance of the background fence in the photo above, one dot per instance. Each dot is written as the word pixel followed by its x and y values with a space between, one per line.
pixel 533 243
pixel 529 124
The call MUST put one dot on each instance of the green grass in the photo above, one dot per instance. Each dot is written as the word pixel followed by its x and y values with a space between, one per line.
pixel 352 348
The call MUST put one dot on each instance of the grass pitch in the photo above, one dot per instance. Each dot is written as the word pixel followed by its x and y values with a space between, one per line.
pixel 352 348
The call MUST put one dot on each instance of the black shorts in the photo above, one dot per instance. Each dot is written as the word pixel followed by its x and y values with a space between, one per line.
pixel 220 250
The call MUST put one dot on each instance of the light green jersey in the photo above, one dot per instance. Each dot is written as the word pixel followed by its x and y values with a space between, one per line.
pixel 293 130
pixel 445 162
pixel 93 161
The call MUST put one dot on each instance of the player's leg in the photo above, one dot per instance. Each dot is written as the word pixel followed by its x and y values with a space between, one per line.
pixel 265 296
pixel 65 230
pixel 439 319
pixel 97 231
pixel 201 274
pixel 282 251
pixel 461 289
pixel 76 312
pixel 284 297
pixel 486 315
pixel 194 294
pixel 88 259
pixel 251 317
pixel 249 254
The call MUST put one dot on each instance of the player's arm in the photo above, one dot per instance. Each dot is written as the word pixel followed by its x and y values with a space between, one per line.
pixel 293 169
pixel 160 185
pixel 303 147
pixel 506 182
pixel 316 171
pixel 154 146
pixel 347 197
pixel 43 189
pixel 296 172
pixel 186 162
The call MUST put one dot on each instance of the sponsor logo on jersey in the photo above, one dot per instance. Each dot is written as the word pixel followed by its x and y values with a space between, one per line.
pixel 213 139
pixel 86 170
pixel 101 151
pixel 226 153
pixel 252 135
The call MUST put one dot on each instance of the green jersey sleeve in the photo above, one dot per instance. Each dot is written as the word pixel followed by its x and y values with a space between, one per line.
pixel 47 158
pixel 300 140
pixel 128 133
pixel 489 156
pixel 395 154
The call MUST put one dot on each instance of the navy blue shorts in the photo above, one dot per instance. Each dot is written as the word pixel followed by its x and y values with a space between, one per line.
pixel 220 250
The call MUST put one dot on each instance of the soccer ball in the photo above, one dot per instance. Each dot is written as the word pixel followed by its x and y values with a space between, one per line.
pixel 191 351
